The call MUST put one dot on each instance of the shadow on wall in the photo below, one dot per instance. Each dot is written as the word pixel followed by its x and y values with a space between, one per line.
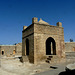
pixel 67 72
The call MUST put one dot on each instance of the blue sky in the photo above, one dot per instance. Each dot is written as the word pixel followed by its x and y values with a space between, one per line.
pixel 14 14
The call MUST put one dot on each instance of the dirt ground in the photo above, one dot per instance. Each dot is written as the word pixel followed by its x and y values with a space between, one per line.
pixel 14 67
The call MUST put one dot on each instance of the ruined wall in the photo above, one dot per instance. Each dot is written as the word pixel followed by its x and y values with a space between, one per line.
pixel 7 49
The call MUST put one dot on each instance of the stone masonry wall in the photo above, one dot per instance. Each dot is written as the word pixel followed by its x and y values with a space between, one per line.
pixel 69 46
pixel 8 50
pixel 70 51
pixel 41 34
pixel 28 31
pixel 19 49
pixel 28 34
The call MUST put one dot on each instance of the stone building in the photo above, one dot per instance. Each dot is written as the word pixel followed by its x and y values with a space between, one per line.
pixel 41 40
pixel 11 50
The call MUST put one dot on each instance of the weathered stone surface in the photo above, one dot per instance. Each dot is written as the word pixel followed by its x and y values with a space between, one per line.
pixel 59 24
pixel 69 46
pixel 43 22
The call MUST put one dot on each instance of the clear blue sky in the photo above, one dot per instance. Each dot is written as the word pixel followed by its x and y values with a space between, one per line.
pixel 14 14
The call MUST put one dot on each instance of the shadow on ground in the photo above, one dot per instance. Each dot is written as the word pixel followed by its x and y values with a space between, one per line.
pixel 69 72
pixel 21 59
pixel 53 67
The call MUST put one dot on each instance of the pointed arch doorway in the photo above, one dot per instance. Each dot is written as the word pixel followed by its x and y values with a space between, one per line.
pixel 50 46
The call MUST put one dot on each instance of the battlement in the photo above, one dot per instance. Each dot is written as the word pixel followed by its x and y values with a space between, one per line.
pixel 59 24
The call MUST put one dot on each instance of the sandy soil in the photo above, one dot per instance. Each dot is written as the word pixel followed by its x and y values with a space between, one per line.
pixel 15 67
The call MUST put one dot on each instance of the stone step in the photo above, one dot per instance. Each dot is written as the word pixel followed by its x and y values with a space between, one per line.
pixel 47 61
pixel 52 59
pixel 55 59
pixel 48 58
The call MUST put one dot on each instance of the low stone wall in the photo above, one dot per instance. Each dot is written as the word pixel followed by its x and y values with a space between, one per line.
pixel 70 57
pixel 11 50
pixel 70 46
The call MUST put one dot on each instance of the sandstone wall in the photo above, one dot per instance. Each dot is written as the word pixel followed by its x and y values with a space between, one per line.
pixel 19 49
pixel 28 34
pixel 8 50
pixel 28 31
pixel 70 52
pixel 70 47
pixel 41 34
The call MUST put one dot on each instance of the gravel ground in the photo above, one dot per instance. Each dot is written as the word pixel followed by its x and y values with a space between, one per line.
pixel 57 69
pixel 15 67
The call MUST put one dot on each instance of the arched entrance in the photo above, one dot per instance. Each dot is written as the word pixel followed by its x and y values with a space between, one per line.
pixel 50 46
pixel 2 52
pixel 27 47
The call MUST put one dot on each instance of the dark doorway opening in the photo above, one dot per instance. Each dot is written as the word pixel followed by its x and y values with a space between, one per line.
pixel 27 47
pixel 2 52
pixel 50 46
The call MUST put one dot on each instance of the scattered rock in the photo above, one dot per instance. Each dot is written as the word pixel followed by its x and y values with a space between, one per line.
pixel 70 67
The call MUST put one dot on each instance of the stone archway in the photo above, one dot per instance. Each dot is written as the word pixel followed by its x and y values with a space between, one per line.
pixel 50 46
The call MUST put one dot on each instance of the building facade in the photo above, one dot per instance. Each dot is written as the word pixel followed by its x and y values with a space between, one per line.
pixel 40 40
